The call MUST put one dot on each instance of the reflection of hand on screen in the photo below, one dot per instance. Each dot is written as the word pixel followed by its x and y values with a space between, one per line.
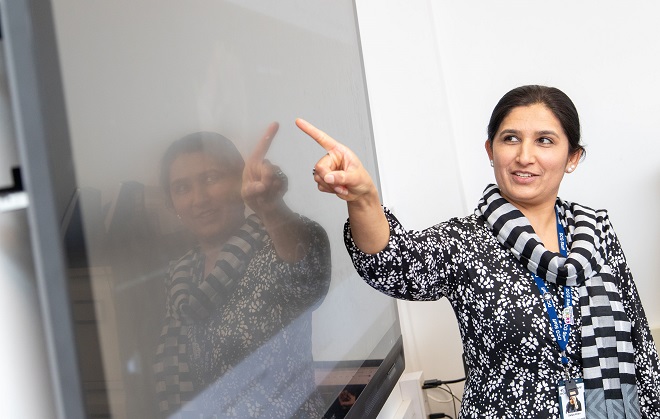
pixel 264 184
pixel 263 188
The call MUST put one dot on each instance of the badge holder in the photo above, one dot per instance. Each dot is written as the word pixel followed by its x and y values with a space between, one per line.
pixel 571 399
pixel 570 391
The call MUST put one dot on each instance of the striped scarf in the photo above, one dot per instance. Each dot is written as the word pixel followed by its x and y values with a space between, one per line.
pixel 191 301
pixel 607 351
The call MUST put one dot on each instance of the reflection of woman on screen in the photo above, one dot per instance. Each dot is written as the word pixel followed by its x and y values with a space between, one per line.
pixel 237 337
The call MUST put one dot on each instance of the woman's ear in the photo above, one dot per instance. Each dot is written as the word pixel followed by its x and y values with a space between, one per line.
pixel 489 149
pixel 573 161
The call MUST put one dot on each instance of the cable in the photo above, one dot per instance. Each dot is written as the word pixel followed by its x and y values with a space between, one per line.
pixel 444 386
pixel 437 383
pixel 439 400
pixel 454 398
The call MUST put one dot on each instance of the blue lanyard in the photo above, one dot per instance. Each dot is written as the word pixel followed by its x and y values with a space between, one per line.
pixel 560 329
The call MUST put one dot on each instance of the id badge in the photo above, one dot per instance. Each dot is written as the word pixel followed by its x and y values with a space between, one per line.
pixel 571 399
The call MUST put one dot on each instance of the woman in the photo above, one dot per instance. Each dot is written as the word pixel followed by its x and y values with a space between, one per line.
pixel 237 337
pixel 539 285
pixel 573 405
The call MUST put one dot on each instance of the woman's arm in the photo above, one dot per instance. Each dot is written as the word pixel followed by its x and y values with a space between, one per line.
pixel 289 234
pixel 305 282
pixel 263 189
pixel 415 265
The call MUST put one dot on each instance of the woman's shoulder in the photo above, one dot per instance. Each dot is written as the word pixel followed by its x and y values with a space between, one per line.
pixel 470 221
pixel 600 217
pixel 312 225
pixel 596 221
pixel 184 261
pixel 577 207
pixel 470 224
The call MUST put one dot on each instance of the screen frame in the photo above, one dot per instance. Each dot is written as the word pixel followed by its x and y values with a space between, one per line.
pixel 37 95
pixel 377 391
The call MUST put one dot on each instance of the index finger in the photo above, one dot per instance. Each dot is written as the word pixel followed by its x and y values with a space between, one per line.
pixel 323 139
pixel 264 143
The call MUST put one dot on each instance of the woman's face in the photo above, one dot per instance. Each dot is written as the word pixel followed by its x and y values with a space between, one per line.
pixel 206 196
pixel 530 156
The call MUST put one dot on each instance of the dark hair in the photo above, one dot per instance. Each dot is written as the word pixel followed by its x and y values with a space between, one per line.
pixel 212 144
pixel 554 99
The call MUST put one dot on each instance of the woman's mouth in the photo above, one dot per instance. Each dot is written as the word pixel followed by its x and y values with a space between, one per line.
pixel 203 215
pixel 523 177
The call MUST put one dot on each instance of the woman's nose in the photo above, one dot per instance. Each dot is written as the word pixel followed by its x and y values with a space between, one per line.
pixel 526 152
pixel 200 194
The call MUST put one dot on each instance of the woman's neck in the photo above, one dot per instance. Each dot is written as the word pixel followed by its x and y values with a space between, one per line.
pixel 543 220
pixel 211 248
pixel 211 255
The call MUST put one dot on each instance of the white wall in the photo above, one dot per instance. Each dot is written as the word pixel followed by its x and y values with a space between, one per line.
pixel 435 70
pixel 605 55
pixel 417 159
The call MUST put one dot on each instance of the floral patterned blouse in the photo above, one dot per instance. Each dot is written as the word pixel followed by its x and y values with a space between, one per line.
pixel 253 357
pixel 513 359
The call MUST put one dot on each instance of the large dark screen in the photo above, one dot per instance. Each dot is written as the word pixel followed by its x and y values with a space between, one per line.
pixel 213 277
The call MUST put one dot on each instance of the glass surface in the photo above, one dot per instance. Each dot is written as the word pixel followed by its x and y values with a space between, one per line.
pixel 182 123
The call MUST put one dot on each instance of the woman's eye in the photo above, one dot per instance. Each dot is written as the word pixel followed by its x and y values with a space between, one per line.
pixel 545 140
pixel 180 188
pixel 511 139
pixel 212 177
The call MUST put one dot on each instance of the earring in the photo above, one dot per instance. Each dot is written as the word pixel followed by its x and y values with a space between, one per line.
pixel 571 168
pixel 178 216
pixel 492 164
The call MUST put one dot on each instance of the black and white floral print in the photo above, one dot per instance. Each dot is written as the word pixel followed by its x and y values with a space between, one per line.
pixel 252 358
pixel 513 359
